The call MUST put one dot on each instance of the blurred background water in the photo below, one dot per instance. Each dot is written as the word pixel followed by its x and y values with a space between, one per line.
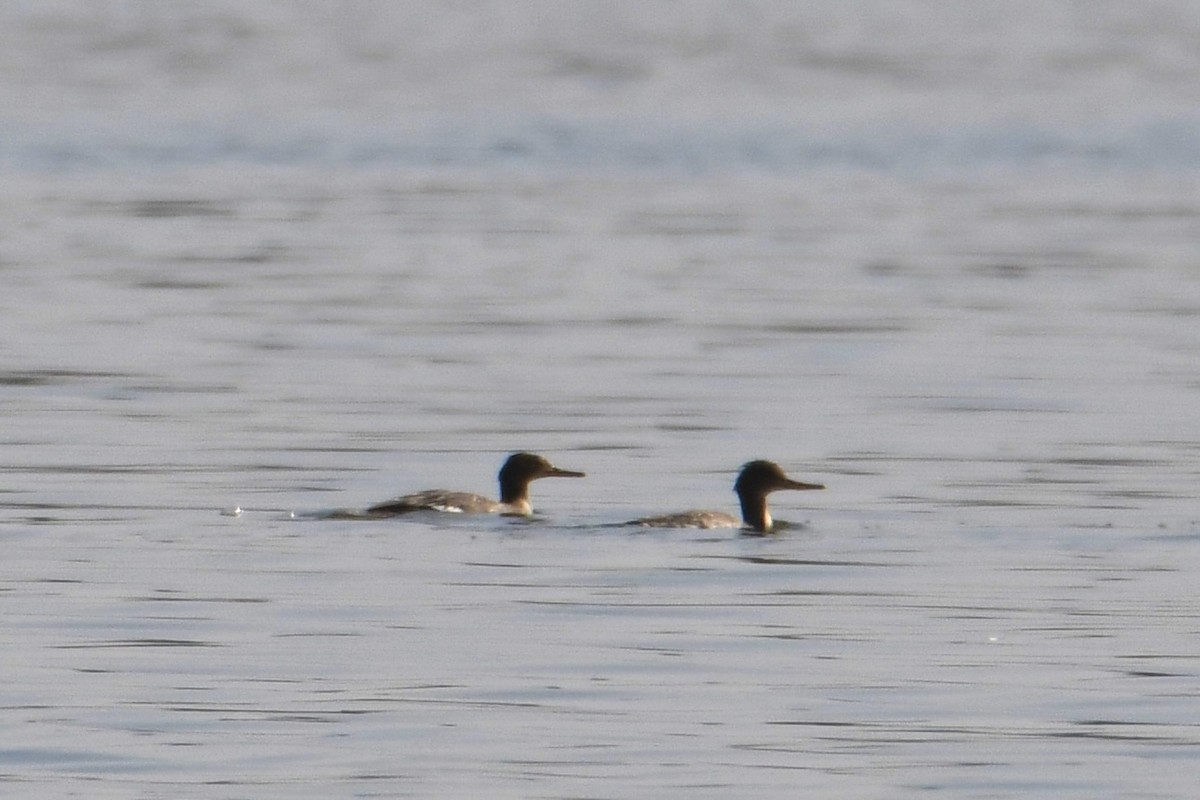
pixel 284 257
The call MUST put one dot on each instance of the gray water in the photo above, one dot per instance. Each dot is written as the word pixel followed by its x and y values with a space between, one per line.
pixel 279 260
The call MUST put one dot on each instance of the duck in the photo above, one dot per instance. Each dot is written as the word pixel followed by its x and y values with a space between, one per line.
pixel 755 481
pixel 518 471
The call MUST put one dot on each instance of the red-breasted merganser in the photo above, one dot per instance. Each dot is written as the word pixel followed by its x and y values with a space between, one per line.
pixel 515 476
pixel 756 480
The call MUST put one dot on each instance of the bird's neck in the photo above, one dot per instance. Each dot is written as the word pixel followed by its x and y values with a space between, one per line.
pixel 515 495
pixel 521 508
pixel 754 511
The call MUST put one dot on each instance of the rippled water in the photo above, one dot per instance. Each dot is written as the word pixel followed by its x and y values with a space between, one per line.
pixel 982 341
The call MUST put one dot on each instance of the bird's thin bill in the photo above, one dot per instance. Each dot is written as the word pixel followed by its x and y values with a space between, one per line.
pixel 555 472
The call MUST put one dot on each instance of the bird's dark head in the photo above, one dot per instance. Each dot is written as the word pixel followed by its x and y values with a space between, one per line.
pixel 764 477
pixel 521 468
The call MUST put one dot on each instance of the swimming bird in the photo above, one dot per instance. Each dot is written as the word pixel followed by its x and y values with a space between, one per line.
pixel 756 480
pixel 516 474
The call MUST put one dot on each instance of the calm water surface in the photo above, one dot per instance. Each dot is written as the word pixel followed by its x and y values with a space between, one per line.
pixel 983 342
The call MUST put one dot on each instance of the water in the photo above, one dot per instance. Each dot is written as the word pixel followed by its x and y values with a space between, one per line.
pixel 941 260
